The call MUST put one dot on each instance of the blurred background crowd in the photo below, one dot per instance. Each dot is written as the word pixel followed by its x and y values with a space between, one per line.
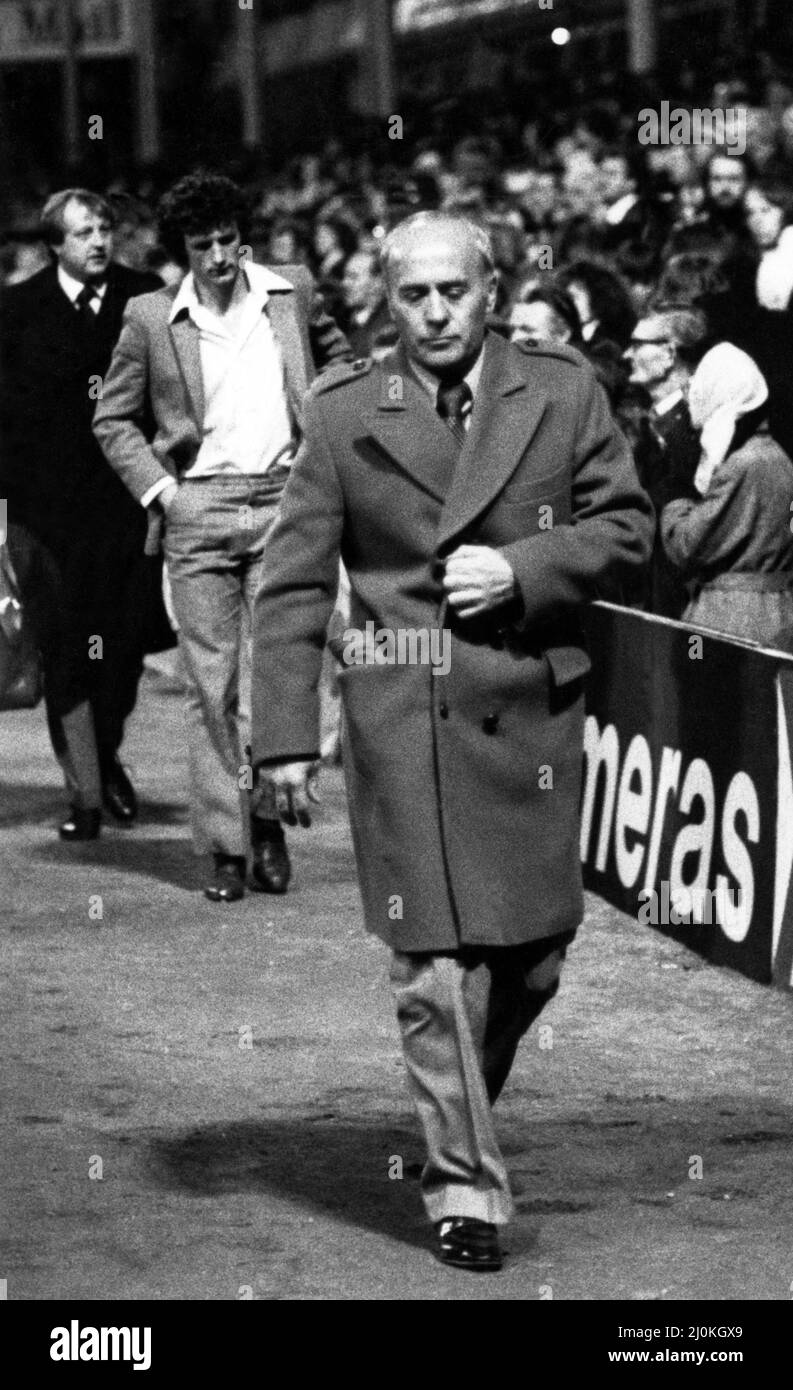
pixel 532 132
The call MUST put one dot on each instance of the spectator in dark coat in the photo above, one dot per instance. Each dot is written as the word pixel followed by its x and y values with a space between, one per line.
pixel 734 544
pixel 769 339
pixel 364 295
pixel 603 302
pixel 548 314
pixel 59 329
pixel 663 352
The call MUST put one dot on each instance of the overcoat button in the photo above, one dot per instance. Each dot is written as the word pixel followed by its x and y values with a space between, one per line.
pixel 490 723
pixel 443 711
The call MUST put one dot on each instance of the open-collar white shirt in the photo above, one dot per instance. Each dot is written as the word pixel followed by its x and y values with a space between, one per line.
pixel 247 424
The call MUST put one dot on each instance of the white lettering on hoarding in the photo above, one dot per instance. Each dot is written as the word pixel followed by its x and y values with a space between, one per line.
pixel 637 791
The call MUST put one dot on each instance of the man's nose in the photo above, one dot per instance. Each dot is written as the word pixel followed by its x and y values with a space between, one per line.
pixel 218 253
pixel 435 309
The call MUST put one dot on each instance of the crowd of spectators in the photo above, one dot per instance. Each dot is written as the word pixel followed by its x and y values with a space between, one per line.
pixel 594 235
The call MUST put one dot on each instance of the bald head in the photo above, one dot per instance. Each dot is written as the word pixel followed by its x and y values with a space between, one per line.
pixel 422 226
pixel 441 285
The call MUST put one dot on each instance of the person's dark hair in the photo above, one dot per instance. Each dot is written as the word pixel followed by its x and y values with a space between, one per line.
pixel 52 223
pixel 609 297
pixel 346 236
pixel 777 190
pixel 692 279
pixel 638 262
pixel 130 211
pixel 197 204
pixel 560 304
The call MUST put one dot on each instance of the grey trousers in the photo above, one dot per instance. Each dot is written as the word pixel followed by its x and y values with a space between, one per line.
pixel 461 1017
pixel 214 547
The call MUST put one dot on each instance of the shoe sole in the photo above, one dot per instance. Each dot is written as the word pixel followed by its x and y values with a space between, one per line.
pixel 257 887
pixel 483 1267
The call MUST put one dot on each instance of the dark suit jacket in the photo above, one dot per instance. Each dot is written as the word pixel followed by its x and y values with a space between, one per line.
pixel 157 366
pixel 456 838
pixel 51 469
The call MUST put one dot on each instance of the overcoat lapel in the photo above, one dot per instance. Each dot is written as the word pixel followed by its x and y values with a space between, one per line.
pixel 282 313
pixel 507 412
pixel 407 427
pixel 185 339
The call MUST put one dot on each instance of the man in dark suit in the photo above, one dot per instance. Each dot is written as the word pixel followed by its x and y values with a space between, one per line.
pixel 222 364
pixel 664 350
pixel 364 295
pixel 57 333
pixel 479 494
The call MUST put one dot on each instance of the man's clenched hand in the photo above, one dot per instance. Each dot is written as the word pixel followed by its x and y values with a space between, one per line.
pixel 293 785
pixel 477 578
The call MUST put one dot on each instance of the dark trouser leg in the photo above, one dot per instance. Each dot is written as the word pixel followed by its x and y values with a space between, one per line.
pixel 69 716
pixel 461 1017
pixel 115 610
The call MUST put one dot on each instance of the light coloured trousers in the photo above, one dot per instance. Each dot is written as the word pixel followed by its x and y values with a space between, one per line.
pixel 214 547
pixel 462 1016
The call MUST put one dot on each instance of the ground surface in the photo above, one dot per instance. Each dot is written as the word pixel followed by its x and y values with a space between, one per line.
pixel 263 1170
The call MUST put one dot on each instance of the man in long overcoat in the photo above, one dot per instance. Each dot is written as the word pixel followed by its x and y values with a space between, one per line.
pixel 57 333
pixel 479 494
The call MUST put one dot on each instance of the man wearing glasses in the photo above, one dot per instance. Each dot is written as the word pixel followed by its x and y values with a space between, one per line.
pixel 663 353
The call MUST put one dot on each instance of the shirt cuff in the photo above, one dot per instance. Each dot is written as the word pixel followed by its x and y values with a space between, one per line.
pixel 154 491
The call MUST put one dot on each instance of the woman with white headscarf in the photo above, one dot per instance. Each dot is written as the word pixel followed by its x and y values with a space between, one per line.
pixel 732 541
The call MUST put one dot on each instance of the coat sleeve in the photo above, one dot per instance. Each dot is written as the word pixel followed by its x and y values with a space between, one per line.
pixel 295 601
pixel 120 414
pixel 610 535
pixel 700 533
pixel 12 432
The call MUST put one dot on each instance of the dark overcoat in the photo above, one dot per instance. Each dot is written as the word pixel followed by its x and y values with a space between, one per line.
pixel 53 471
pixel 56 479
pixel 464 787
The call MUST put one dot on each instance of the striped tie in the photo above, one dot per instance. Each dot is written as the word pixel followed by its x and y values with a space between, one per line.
pixel 454 404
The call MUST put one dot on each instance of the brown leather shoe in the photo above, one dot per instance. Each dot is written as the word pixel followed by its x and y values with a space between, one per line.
pixel 467 1243
pixel 228 884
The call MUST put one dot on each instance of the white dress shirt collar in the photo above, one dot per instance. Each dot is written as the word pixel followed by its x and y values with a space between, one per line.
pixel 668 403
pixel 72 288
pixel 259 279
pixel 620 209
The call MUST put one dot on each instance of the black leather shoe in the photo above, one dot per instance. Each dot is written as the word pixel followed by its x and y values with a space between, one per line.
pixel 81 825
pixel 271 869
pixel 228 884
pixel 468 1244
pixel 118 794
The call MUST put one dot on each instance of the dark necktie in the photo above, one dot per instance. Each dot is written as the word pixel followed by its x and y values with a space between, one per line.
pixel 454 402
pixel 83 306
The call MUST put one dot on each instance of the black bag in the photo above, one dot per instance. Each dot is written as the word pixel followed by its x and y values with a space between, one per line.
pixel 20 662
